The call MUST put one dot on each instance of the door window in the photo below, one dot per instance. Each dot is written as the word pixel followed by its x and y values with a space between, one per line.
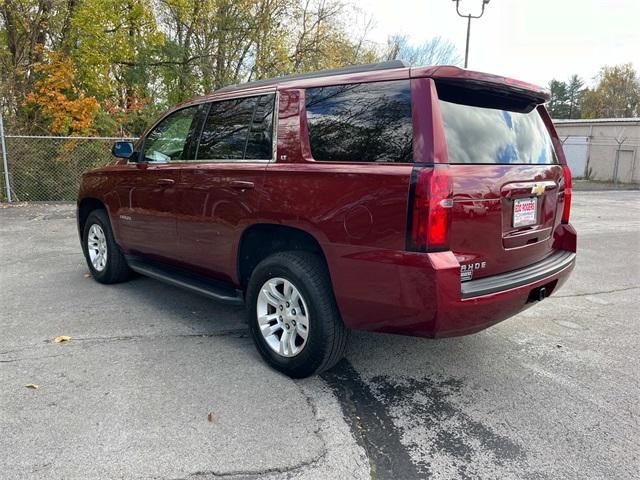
pixel 169 140
pixel 361 122
pixel 238 129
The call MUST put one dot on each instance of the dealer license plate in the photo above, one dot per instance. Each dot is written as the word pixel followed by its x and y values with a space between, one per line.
pixel 525 211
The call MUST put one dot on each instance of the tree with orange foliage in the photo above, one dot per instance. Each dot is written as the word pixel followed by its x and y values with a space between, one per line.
pixel 64 106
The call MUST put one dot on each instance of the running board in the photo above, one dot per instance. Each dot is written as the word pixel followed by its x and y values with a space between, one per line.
pixel 194 282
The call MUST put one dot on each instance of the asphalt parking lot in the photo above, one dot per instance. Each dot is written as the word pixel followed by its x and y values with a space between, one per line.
pixel 157 382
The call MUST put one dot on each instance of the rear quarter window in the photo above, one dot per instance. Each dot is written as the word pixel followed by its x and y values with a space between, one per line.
pixel 362 122
pixel 484 135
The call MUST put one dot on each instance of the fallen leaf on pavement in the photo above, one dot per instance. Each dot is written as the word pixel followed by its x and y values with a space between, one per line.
pixel 210 417
pixel 61 338
pixel 33 386
pixel 87 275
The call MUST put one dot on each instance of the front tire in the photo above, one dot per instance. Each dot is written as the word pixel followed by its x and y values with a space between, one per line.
pixel 104 257
pixel 292 314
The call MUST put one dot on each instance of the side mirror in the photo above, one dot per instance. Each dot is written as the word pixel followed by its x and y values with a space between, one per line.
pixel 122 149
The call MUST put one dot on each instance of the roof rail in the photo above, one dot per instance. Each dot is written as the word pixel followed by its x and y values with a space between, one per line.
pixel 369 67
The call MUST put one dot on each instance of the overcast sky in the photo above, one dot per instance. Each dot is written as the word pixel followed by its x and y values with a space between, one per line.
pixel 532 40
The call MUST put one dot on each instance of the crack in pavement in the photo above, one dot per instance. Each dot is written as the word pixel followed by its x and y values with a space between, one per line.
pixel 240 332
pixel 256 474
pixel 32 358
pixel 615 290
pixel 333 452
pixel 220 333
pixel 253 474
pixel 20 261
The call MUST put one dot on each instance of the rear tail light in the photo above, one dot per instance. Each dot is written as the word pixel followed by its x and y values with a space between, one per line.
pixel 431 210
pixel 567 194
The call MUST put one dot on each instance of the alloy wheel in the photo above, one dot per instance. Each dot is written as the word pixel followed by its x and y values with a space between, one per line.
pixel 283 317
pixel 97 247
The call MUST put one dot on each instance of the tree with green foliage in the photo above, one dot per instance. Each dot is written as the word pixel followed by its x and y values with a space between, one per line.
pixel 616 94
pixel 565 97
pixel 575 87
pixel 113 41
pixel 558 104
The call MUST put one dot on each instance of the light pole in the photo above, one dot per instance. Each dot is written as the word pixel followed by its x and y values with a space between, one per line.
pixel 469 17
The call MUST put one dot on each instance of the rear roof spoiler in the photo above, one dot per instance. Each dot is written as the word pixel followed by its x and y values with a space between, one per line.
pixel 480 89
pixel 450 75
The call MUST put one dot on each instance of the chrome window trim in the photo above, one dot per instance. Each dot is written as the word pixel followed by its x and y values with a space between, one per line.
pixel 219 160
pixel 208 103
pixel 274 133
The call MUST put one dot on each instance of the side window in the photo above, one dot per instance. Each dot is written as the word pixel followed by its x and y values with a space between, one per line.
pixel 225 130
pixel 259 142
pixel 169 140
pixel 362 122
pixel 238 129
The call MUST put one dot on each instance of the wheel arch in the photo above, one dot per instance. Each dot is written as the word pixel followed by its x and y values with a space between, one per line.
pixel 85 207
pixel 260 240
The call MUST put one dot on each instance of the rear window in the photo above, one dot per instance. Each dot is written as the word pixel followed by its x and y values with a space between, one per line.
pixel 362 122
pixel 489 136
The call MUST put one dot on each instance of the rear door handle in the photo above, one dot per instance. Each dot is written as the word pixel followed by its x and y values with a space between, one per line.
pixel 165 181
pixel 240 185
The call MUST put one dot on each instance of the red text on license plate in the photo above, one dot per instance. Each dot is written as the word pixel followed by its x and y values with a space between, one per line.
pixel 525 211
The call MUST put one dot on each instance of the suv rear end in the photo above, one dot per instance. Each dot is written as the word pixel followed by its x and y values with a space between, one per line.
pixel 491 211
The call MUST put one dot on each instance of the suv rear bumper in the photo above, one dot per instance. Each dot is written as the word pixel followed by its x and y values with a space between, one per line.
pixel 487 301
pixel 421 294
pixel 554 263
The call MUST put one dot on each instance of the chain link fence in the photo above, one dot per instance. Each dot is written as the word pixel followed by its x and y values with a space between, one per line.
pixel 50 168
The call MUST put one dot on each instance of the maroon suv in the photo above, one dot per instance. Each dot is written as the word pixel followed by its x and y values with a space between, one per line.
pixel 422 201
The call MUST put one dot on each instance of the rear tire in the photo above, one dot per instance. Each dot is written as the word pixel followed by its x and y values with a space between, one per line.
pixel 104 257
pixel 305 350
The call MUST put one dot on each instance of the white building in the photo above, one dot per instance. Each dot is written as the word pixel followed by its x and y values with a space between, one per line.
pixel 605 149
